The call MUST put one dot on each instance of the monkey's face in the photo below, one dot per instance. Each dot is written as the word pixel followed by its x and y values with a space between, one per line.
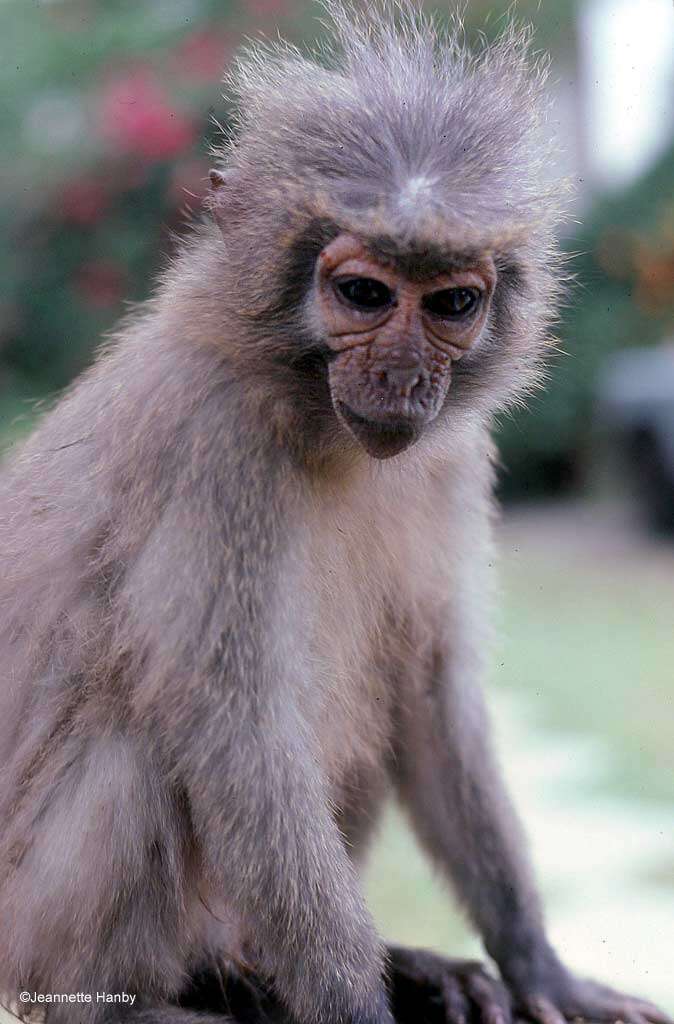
pixel 393 340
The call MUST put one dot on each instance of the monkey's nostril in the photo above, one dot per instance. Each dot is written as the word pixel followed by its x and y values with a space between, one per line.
pixel 403 378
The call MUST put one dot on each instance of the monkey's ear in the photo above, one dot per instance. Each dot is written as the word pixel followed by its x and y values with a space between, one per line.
pixel 217 179
pixel 221 198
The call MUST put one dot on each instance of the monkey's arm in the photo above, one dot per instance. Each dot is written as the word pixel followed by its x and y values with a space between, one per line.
pixel 452 788
pixel 451 784
pixel 223 675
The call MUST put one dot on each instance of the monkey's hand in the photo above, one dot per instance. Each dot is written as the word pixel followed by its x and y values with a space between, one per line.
pixel 431 989
pixel 555 996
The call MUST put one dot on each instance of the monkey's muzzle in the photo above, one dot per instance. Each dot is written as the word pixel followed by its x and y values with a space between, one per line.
pixel 380 439
pixel 387 404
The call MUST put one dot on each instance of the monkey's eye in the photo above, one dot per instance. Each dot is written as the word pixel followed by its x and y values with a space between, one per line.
pixel 364 293
pixel 453 303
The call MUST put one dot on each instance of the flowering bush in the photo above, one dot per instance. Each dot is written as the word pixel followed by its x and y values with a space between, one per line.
pixel 105 130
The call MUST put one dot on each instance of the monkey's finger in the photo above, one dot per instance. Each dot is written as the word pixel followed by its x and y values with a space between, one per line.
pixel 648 1011
pixel 490 998
pixel 608 1005
pixel 542 1010
pixel 636 1018
pixel 652 1013
pixel 454 999
pixel 621 1013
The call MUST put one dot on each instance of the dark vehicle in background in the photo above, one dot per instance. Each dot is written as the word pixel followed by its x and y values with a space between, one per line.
pixel 636 412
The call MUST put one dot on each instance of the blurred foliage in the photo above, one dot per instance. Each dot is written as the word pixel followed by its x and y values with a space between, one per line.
pixel 622 295
pixel 104 116
pixel 107 110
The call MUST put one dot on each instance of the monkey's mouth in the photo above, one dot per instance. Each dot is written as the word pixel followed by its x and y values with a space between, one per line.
pixel 381 440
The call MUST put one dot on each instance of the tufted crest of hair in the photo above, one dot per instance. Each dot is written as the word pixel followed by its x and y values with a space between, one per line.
pixel 395 112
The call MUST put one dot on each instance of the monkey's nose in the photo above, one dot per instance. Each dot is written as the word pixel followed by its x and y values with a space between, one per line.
pixel 403 379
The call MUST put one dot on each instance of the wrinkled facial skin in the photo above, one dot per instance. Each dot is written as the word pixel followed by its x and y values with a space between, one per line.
pixel 393 340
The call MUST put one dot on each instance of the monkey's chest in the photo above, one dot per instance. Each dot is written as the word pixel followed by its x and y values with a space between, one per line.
pixel 354 653
pixel 352 701
pixel 348 677
pixel 371 567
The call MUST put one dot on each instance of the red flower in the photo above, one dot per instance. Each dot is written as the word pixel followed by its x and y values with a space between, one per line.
pixel 136 114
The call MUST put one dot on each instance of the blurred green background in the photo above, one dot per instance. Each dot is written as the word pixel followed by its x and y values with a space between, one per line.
pixel 106 112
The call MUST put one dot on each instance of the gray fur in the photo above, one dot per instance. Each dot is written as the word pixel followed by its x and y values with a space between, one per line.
pixel 226 632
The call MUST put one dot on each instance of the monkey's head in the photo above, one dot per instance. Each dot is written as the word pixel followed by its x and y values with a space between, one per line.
pixel 389 228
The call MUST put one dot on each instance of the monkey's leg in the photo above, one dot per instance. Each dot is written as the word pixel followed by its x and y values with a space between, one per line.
pixel 450 784
pixel 97 883
pixel 274 848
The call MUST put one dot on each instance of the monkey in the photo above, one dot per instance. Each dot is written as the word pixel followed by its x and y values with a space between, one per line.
pixel 245 559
